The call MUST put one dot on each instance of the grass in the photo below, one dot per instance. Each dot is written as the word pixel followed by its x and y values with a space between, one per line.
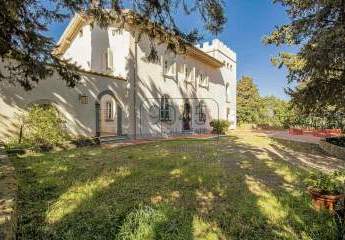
pixel 234 189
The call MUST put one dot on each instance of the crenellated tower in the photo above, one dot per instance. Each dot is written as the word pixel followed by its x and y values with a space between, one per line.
pixel 220 51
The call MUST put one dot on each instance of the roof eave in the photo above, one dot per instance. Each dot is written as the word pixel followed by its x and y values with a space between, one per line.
pixel 69 34
pixel 78 20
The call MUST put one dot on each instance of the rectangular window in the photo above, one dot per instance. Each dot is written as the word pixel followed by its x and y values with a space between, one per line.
pixel 109 60
pixel 227 92
pixel 169 67
pixel 201 112
pixel 109 111
pixel 83 99
pixel 203 80
pixel 188 73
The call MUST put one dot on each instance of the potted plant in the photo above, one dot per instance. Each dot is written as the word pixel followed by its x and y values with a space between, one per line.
pixel 327 190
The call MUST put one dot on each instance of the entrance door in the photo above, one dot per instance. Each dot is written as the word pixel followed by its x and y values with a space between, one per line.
pixel 186 117
pixel 108 122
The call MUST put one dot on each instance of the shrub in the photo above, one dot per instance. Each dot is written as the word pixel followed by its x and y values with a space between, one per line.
pixel 220 126
pixel 42 128
pixel 339 141
pixel 85 141
pixel 13 147
pixel 327 183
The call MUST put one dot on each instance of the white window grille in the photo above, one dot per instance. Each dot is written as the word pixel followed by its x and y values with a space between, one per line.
pixel 201 112
pixel 109 111
pixel 165 109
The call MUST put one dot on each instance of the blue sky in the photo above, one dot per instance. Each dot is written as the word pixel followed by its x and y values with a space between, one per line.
pixel 248 22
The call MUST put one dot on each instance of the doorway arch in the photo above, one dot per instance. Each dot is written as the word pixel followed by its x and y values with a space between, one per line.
pixel 108 115
pixel 187 116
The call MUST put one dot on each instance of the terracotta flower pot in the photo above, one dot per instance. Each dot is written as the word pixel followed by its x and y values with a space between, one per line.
pixel 325 201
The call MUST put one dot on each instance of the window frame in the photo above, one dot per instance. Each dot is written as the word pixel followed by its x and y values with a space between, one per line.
pixel 109 111
pixel 169 67
pixel 201 111
pixel 109 60
pixel 187 73
pixel 164 109
pixel 227 93
pixel 203 80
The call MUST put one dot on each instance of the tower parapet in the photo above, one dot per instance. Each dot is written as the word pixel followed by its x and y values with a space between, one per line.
pixel 218 50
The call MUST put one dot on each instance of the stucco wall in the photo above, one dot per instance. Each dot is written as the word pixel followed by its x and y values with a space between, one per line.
pixel 146 78
pixel 152 84
pixel 80 118
pixel 90 45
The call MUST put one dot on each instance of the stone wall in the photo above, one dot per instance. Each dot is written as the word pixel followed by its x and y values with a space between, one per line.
pixel 332 149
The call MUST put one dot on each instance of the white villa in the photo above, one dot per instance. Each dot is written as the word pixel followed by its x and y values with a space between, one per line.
pixel 121 93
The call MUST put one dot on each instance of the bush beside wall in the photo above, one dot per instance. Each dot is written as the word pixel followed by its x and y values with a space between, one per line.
pixel 220 126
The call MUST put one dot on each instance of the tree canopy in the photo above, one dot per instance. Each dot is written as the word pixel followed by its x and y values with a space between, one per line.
pixel 252 108
pixel 24 26
pixel 318 27
pixel 248 101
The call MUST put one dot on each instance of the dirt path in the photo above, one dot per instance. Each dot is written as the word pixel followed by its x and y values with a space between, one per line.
pixel 301 152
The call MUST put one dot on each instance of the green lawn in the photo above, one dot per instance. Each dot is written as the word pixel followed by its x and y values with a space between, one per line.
pixel 234 189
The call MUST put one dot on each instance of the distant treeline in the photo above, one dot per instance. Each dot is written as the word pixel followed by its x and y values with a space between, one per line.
pixel 273 112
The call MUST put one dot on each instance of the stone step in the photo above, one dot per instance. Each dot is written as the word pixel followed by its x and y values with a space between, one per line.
pixel 112 139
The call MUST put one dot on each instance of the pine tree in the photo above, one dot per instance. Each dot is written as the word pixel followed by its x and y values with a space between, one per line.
pixel 248 101
pixel 319 67
pixel 24 25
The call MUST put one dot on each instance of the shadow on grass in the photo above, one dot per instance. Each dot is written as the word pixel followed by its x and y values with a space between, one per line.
pixel 307 155
pixel 170 190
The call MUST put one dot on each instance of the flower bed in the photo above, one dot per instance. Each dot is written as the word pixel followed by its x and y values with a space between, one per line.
pixel 327 133
pixel 334 146
pixel 295 131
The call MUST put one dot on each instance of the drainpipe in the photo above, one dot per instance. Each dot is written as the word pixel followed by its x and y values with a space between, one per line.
pixel 135 85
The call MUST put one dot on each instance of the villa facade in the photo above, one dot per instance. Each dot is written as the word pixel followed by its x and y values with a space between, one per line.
pixel 122 93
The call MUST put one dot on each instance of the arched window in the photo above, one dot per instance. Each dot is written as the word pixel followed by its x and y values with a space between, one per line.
pixel 165 109
pixel 109 110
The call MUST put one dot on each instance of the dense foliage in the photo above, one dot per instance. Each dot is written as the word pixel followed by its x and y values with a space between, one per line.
pixel 318 27
pixel 328 118
pixel 248 101
pixel 264 111
pixel 327 183
pixel 24 26
pixel 275 112
pixel 42 126
pixel 339 141
pixel 220 126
